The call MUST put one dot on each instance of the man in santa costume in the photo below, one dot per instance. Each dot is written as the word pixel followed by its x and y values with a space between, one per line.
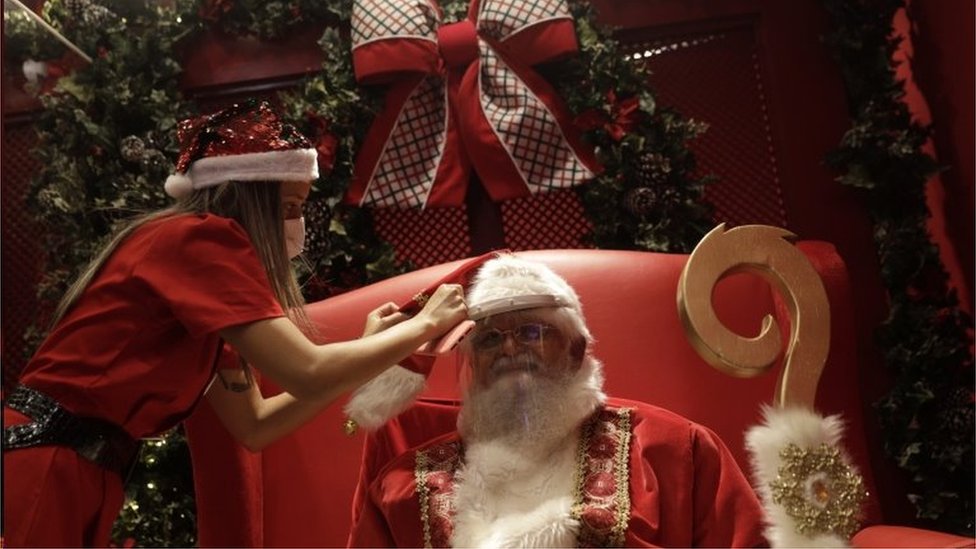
pixel 541 457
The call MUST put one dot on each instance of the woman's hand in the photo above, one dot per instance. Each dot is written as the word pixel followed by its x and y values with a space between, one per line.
pixel 323 372
pixel 382 317
pixel 445 309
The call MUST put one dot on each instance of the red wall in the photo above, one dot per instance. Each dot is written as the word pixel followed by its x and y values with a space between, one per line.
pixel 942 36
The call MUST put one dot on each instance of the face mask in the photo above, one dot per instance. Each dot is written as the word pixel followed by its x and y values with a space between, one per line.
pixel 294 236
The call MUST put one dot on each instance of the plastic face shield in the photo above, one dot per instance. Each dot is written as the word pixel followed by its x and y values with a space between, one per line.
pixel 451 339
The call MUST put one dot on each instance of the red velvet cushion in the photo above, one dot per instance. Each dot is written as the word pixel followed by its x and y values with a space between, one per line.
pixel 629 300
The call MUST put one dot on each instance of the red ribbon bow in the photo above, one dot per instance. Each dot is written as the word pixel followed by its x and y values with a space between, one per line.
pixel 624 115
pixel 464 96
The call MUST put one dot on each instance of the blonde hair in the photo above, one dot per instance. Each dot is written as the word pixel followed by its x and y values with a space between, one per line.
pixel 255 205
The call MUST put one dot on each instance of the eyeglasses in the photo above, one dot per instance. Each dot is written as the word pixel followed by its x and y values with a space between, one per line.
pixel 526 334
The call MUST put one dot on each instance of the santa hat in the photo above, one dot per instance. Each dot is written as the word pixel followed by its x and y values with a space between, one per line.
pixel 504 283
pixel 244 142
pixel 510 283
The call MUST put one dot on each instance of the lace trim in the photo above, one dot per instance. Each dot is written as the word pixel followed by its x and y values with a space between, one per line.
pixel 602 498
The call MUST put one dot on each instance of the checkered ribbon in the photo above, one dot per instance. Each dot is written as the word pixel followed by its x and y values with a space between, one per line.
pixel 464 96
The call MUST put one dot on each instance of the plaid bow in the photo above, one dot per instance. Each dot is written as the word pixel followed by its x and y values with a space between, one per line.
pixel 463 96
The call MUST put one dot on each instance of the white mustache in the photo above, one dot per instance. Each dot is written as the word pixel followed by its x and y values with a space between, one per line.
pixel 523 361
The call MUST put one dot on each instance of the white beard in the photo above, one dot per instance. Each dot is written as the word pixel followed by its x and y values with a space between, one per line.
pixel 517 484
pixel 530 411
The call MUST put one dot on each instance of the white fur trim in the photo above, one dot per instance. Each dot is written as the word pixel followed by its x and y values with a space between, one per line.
pixel 288 165
pixel 548 524
pixel 178 185
pixel 384 397
pixel 509 276
pixel 507 498
pixel 781 427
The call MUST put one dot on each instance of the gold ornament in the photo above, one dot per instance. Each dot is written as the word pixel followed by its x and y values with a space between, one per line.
pixel 768 252
pixel 819 490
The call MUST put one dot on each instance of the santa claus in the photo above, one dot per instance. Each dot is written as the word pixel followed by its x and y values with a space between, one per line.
pixel 541 457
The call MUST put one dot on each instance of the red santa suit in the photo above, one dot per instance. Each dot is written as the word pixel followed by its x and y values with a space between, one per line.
pixel 138 349
pixel 634 475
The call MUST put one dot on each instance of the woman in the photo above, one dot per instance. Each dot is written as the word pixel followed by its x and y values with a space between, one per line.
pixel 137 338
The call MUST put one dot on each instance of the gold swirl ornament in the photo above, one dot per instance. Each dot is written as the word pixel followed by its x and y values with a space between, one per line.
pixel 768 252
pixel 817 489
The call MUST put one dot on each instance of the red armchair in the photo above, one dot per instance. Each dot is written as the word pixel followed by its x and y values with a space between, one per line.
pixel 299 491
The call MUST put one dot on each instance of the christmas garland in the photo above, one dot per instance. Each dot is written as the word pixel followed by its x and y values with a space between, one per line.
pixel 928 415
pixel 106 141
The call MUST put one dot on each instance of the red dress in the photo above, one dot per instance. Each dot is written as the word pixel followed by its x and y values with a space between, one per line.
pixel 137 349
pixel 649 478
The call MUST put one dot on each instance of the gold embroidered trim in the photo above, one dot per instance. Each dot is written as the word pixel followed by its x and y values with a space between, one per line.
pixel 576 511
pixel 420 476
pixel 622 475
pixel 434 479
pixel 616 424
pixel 819 490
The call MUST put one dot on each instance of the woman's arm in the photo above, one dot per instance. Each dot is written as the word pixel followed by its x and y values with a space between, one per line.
pixel 256 421
pixel 281 351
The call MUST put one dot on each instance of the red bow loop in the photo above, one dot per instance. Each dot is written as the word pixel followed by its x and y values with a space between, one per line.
pixel 546 33
pixel 392 38
pixel 623 116
pixel 488 110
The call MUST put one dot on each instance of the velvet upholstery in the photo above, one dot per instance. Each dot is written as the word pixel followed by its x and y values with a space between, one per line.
pixel 298 492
